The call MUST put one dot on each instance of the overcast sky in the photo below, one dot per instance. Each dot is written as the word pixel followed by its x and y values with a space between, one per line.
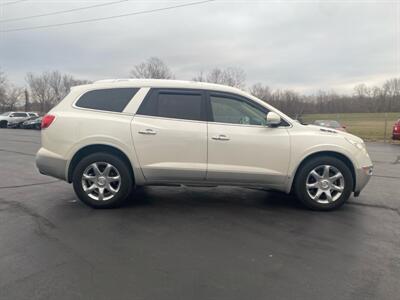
pixel 302 45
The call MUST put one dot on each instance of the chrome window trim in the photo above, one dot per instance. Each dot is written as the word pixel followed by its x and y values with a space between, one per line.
pixel 208 122
pixel 169 119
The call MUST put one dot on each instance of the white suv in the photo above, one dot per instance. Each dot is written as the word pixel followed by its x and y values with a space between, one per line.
pixel 13 117
pixel 113 135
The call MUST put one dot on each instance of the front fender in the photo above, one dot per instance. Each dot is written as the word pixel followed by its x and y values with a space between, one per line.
pixel 300 156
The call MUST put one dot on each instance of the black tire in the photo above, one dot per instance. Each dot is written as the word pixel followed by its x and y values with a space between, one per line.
pixel 3 124
pixel 126 183
pixel 37 126
pixel 300 181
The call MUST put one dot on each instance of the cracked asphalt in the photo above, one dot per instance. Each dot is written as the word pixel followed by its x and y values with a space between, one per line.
pixel 193 243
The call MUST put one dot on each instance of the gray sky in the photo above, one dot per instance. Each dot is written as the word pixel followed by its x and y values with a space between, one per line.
pixel 302 45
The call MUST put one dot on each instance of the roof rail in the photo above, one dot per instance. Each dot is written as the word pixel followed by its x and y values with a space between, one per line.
pixel 112 80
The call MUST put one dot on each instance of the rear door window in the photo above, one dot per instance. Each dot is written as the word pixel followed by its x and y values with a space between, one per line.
pixel 175 104
pixel 114 100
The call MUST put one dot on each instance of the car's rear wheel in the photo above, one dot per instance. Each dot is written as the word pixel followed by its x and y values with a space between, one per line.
pixel 323 183
pixel 102 180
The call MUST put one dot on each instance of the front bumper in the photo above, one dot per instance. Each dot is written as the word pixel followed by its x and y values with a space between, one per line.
pixel 51 164
pixel 363 175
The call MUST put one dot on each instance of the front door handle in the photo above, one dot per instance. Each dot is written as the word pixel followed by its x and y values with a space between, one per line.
pixel 148 131
pixel 221 137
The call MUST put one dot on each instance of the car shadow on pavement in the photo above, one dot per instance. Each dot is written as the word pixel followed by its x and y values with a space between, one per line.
pixel 212 197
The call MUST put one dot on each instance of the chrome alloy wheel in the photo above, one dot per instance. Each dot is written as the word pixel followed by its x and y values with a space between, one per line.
pixel 101 181
pixel 325 184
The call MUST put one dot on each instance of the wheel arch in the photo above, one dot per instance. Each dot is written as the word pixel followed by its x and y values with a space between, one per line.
pixel 95 148
pixel 335 154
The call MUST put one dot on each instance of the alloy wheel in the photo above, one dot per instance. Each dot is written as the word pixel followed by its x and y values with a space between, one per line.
pixel 325 184
pixel 101 181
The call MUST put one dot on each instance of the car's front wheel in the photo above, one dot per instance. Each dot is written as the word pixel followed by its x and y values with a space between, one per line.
pixel 323 183
pixel 102 180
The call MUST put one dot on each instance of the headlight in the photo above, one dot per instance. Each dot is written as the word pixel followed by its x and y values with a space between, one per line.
pixel 359 145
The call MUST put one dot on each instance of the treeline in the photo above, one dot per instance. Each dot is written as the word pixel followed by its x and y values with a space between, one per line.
pixel 45 90
pixel 41 93
pixel 385 98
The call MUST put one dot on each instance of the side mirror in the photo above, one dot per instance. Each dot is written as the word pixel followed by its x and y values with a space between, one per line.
pixel 272 119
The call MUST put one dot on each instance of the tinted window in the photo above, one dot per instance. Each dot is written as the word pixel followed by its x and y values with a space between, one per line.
pixel 32 114
pixel 107 99
pixel 169 104
pixel 235 111
pixel 19 115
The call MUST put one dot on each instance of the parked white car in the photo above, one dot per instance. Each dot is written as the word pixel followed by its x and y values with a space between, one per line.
pixel 12 117
pixel 108 137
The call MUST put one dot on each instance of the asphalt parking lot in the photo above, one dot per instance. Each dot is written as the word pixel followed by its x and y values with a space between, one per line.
pixel 193 243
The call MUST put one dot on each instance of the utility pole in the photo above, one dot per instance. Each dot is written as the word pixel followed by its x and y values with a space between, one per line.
pixel 26 100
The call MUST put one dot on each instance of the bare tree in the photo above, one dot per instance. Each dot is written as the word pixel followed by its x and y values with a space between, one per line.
pixel 55 81
pixel 9 94
pixel 362 90
pixel 12 97
pixel 40 89
pixel 152 68
pixel 61 84
pixel 230 76
pixel 49 88
pixel 260 91
pixel 200 77
pixel 391 89
pixel 69 81
pixel 3 88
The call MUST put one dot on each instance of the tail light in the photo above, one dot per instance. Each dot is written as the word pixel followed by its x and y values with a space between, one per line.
pixel 396 128
pixel 47 120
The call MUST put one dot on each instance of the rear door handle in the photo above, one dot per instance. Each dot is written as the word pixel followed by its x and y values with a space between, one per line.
pixel 148 131
pixel 221 137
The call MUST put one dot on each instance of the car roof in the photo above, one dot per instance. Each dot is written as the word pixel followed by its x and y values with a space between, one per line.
pixel 159 83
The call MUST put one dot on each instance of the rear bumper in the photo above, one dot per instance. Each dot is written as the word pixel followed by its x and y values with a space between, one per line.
pixel 396 135
pixel 51 164
pixel 363 175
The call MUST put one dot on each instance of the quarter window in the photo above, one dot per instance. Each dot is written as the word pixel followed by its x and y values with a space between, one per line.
pixel 235 111
pixel 107 99
pixel 186 105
